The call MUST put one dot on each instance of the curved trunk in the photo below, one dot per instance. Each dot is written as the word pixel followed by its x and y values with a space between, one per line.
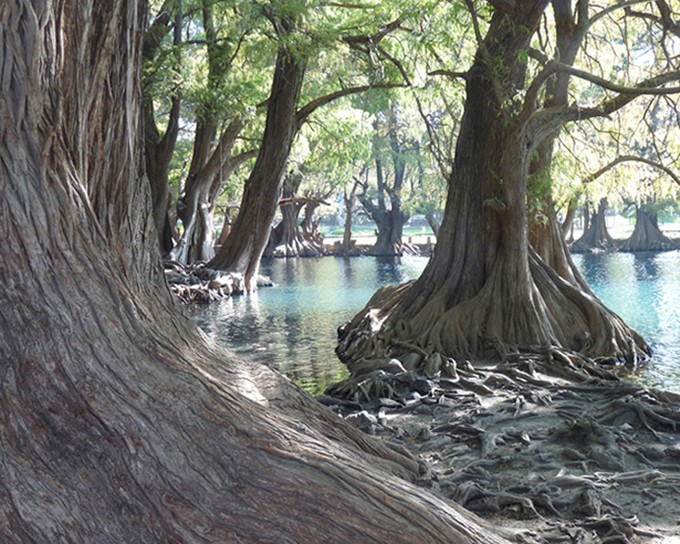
pixel 197 206
pixel 596 236
pixel 484 294
pixel 243 249
pixel 647 236
pixel 285 237
pixel 288 238
pixel 158 150
pixel 118 422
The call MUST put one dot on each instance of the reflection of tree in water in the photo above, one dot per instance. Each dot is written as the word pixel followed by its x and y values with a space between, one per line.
pixel 646 266
pixel 592 267
pixel 347 268
pixel 389 270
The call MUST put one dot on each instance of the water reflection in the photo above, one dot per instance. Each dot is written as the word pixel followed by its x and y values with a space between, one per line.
pixel 293 327
pixel 644 289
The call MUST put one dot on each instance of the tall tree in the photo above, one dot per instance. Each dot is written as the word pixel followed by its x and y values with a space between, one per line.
pixel 486 293
pixel 242 251
pixel 118 423
pixel 159 146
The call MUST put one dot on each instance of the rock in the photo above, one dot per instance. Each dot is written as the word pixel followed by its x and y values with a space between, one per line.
pixel 363 420
pixel 394 366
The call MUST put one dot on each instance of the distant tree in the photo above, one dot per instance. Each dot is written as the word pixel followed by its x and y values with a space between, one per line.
pixel 243 249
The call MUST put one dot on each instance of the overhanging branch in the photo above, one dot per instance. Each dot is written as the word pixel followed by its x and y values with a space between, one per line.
pixel 312 106
pixel 629 158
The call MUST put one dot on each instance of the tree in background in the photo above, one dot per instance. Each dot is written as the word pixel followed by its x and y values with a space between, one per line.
pixel 385 203
pixel 241 252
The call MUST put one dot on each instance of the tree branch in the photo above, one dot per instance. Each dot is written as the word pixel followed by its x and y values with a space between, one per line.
pixel 630 158
pixel 304 112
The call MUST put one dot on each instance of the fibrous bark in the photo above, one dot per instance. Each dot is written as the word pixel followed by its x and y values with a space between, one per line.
pixel 242 250
pixel 159 148
pixel 485 293
pixel 647 235
pixel 118 422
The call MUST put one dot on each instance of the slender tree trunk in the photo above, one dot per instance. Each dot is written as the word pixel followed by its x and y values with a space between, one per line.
pixel 647 235
pixel 118 422
pixel 485 293
pixel 198 203
pixel 242 251
pixel 346 247
pixel 159 149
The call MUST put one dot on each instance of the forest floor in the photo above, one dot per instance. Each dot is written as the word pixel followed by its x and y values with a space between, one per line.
pixel 557 459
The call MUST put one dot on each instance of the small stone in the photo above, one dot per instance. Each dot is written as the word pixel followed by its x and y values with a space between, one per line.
pixel 363 420
pixel 394 366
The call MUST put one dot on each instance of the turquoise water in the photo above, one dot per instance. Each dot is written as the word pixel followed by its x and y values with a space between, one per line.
pixel 644 289
pixel 292 327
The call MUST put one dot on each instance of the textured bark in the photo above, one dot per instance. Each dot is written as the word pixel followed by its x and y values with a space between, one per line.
pixel 118 423
pixel 545 234
pixel 647 235
pixel 210 166
pixel 595 237
pixel 485 293
pixel 243 249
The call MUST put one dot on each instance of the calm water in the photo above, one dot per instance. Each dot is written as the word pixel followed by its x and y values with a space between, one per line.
pixel 644 289
pixel 292 327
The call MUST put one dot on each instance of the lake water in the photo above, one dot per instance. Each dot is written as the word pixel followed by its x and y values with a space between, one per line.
pixel 292 327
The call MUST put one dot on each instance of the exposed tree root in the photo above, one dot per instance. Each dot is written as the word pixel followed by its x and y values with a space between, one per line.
pixel 552 443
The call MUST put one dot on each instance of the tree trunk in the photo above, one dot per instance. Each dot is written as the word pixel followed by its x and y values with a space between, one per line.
pixel 647 235
pixel 242 251
pixel 118 423
pixel 197 206
pixel 159 149
pixel 484 293
pixel 346 247
pixel 391 219
pixel 390 225
pixel 596 236
pixel 433 222
pixel 288 239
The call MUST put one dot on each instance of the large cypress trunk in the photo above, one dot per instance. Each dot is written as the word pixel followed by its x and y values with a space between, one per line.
pixel 484 293
pixel 242 250
pixel 118 423
pixel 647 235
pixel 595 237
